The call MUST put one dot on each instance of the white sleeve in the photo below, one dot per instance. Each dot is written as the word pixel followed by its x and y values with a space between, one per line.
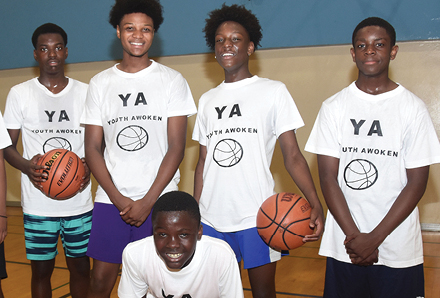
pixel 325 137
pixel 131 284
pixel 92 109
pixel 181 100
pixel 13 116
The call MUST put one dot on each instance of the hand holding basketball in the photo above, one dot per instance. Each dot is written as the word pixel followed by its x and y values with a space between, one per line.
pixel 283 221
pixel 64 170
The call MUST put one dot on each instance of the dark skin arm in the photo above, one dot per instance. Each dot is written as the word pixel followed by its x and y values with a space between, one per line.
pixel 95 159
pixel 363 244
pixel 3 219
pixel 28 167
pixel 298 169
pixel 198 175
pixel 136 212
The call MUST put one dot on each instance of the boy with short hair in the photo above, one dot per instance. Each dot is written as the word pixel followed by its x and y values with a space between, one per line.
pixel 375 142
pixel 178 261
pixel 137 110
pixel 237 126
pixel 5 141
pixel 43 109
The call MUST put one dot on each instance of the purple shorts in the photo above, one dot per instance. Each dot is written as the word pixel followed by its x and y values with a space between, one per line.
pixel 110 234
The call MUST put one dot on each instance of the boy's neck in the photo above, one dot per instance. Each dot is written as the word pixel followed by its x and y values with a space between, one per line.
pixel 54 83
pixel 132 64
pixel 374 85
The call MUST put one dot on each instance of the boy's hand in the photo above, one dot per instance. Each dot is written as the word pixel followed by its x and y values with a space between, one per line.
pixel 316 222
pixel 86 177
pixel 32 171
pixel 136 213
pixel 361 248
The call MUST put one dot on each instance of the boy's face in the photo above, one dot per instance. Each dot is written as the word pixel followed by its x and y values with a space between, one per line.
pixel 233 46
pixel 50 52
pixel 373 51
pixel 175 236
pixel 136 32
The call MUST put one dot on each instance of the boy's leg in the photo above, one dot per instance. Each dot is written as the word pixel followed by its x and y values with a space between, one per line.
pixel 345 280
pixel 262 280
pixel 103 279
pixel 41 238
pixel 397 282
pixel 79 269
pixel 75 232
pixel 40 282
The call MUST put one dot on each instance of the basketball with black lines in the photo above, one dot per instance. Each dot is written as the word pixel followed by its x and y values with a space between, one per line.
pixel 64 171
pixel 283 221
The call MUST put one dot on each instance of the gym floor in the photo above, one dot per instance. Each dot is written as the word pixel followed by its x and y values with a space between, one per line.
pixel 301 274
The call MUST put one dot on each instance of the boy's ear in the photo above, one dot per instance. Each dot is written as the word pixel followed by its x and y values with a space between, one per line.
pixel 251 48
pixel 118 32
pixel 394 51
pixel 353 55
pixel 200 233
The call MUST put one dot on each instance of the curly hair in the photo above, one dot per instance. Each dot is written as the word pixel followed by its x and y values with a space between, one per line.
pixel 151 8
pixel 235 13
pixel 48 28
pixel 375 21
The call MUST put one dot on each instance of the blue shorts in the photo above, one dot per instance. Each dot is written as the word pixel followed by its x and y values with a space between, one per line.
pixel 247 245
pixel 111 234
pixel 346 280
pixel 41 235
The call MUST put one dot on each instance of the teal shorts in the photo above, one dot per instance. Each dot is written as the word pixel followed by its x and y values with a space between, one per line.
pixel 41 235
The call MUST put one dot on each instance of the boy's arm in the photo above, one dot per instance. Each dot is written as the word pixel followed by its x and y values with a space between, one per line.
pixel 95 160
pixel 362 245
pixel 198 174
pixel 28 167
pixel 137 212
pixel 298 169
pixel 3 218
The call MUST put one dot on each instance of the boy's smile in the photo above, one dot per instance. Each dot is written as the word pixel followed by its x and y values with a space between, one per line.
pixel 136 32
pixel 233 48
pixel 175 236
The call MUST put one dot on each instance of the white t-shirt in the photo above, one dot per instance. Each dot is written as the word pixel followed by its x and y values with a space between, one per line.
pixel 48 121
pixel 213 272
pixel 239 124
pixel 133 109
pixel 376 138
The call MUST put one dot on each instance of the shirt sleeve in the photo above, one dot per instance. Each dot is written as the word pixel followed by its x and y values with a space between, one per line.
pixel 181 101
pixel 131 284
pixel 92 109
pixel 324 137
pixel 421 144
pixel 287 116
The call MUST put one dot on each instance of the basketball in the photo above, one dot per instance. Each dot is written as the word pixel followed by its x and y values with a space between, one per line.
pixel 283 221
pixel 64 170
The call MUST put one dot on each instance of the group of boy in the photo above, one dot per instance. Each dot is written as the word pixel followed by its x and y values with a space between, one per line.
pixel 367 223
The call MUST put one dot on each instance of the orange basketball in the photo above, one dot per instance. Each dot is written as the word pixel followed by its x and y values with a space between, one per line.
pixel 65 171
pixel 283 221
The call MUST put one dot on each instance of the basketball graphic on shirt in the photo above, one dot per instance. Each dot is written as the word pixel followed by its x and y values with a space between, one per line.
pixel 56 143
pixel 228 153
pixel 132 138
pixel 360 174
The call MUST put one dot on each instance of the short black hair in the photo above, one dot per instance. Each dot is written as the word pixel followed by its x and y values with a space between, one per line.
pixel 48 28
pixel 176 201
pixel 375 21
pixel 235 13
pixel 151 8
